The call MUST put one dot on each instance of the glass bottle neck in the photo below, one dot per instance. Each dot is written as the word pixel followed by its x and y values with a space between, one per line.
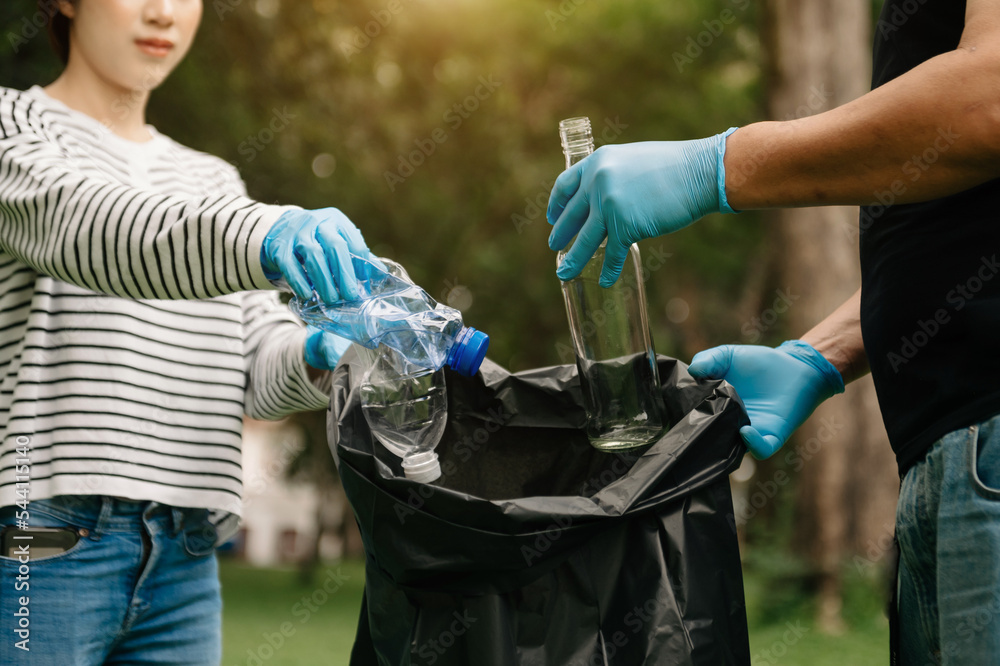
pixel 576 138
pixel 573 158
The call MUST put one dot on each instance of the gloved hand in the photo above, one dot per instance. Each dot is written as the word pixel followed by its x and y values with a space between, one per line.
pixel 780 387
pixel 634 191
pixel 323 349
pixel 312 248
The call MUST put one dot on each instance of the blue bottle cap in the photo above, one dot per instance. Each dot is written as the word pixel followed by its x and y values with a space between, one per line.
pixel 468 352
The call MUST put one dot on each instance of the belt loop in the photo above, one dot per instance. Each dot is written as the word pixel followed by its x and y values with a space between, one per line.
pixel 107 506
pixel 177 517
pixel 972 452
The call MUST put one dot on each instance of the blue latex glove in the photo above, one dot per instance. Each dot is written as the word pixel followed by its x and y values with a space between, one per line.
pixel 312 248
pixel 780 387
pixel 634 191
pixel 323 349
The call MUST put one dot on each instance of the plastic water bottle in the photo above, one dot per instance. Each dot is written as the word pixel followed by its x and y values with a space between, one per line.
pixel 394 312
pixel 406 407
pixel 614 352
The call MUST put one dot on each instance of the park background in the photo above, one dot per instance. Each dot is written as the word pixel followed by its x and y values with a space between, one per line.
pixel 432 125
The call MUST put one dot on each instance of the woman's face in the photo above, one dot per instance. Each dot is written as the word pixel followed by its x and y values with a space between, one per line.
pixel 134 44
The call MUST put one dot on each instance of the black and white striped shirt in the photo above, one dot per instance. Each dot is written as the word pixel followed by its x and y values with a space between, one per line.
pixel 134 332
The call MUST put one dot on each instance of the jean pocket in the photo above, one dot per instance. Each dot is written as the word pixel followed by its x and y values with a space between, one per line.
pixel 985 464
pixel 199 534
pixel 39 518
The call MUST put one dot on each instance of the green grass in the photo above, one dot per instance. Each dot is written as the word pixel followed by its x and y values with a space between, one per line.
pixel 270 618
pixel 783 629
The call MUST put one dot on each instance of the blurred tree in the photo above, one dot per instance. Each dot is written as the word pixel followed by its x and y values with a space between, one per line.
pixel 25 55
pixel 433 126
pixel 314 466
pixel 818 58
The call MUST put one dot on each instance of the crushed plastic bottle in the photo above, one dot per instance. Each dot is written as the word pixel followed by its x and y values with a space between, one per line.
pixel 394 312
pixel 406 407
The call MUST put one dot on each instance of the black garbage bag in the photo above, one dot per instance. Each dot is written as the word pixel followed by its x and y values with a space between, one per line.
pixel 536 549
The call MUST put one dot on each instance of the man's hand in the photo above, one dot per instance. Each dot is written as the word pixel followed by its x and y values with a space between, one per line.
pixel 630 192
pixel 780 387
pixel 323 350
pixel 310 249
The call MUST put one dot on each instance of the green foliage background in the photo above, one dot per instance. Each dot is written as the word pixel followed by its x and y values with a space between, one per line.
pixel 363 81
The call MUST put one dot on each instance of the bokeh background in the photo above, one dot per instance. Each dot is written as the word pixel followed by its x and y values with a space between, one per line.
pixel 432 125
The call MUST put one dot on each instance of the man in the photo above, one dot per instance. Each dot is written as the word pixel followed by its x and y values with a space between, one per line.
pixel 926 319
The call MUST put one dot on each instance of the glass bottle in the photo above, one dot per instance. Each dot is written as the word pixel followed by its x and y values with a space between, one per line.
pixel 610 328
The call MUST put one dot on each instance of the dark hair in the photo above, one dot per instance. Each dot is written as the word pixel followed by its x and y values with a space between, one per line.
pixel 58 27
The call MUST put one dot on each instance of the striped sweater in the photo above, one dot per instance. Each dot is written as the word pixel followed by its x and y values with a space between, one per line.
pixel 135 329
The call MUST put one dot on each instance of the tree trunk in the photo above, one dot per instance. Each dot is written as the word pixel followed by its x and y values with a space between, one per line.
pixel 818 57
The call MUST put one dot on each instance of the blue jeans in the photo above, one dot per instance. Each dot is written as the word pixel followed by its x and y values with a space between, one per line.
pixel 140 586
pixel 948 527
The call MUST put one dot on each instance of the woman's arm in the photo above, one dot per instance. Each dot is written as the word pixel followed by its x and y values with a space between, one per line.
pixel 278 381
pixel 107 237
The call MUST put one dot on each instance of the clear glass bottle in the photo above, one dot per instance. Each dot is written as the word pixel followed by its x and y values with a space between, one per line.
pixel 610 328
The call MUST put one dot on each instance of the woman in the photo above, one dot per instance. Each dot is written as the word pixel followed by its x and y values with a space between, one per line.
pixel 134 335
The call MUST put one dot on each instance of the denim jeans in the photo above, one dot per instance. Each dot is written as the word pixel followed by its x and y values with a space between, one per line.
pixel 140 586
pixel 948 527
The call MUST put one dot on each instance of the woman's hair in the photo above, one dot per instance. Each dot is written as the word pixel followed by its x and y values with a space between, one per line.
pixel 58 26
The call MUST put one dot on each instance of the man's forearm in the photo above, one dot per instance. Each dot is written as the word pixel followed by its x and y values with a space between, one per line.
pixel 838 339
pixel 931 132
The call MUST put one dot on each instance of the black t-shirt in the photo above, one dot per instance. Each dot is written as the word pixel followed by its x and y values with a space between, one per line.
pixel 930 299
